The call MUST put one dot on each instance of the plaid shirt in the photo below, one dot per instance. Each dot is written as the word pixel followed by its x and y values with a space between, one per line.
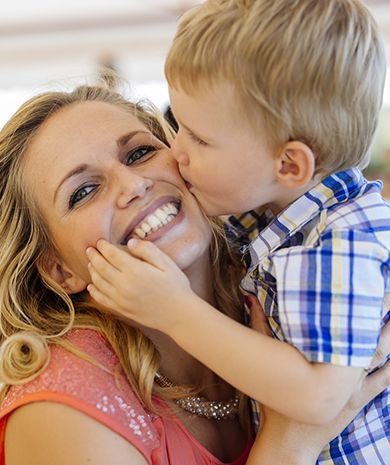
pixel 321 271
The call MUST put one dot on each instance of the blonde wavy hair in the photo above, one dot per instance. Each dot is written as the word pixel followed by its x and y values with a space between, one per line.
pixel 308 70
pixel 34 311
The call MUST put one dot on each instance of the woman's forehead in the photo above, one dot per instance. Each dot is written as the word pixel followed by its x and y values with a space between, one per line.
pixel 77 133
pixel 81 125
pixel 91 116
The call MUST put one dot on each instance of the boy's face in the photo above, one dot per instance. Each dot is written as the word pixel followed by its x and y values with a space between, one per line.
pixel 228 166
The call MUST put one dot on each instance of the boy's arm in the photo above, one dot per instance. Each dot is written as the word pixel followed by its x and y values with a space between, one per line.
pixel 268 370
pixel 155 293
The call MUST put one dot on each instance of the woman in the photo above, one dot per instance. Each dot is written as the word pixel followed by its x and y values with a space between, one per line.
pixel 81 386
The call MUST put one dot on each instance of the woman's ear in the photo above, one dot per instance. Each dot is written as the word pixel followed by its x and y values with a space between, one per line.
pixel 295 165
pixel 62 275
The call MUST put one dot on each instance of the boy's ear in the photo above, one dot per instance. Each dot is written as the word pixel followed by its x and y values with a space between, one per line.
pixel 62 275
pixel 295 165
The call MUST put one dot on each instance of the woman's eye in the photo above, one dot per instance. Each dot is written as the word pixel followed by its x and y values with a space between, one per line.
pixel 139 153
pixel 80 194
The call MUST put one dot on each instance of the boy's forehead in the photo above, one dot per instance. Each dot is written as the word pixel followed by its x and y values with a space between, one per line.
pixel 220 101
pixel 213 114
pixel 207 98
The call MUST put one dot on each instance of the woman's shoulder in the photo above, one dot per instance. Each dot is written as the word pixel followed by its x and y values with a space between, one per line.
pixel 63 435
pixel 102 392
pixel 98 389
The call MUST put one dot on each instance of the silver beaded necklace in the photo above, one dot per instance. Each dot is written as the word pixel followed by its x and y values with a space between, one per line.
pixel 202 407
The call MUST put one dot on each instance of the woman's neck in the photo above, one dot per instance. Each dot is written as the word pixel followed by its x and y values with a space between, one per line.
pixel 200 275
pixel 177 364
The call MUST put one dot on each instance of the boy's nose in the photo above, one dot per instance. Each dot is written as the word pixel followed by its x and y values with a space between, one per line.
pixel 179 152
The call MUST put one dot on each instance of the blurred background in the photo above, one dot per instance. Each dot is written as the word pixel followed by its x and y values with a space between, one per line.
pixel 51 44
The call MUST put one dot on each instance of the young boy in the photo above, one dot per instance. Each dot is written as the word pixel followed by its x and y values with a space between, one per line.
pixel 277 102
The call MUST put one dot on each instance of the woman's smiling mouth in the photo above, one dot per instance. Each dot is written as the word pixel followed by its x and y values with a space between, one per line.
pixel 154 221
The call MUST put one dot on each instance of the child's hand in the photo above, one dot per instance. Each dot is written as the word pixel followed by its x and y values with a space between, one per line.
pixel 145 286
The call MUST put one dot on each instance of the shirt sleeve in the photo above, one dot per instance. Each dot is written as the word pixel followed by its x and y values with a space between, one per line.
pixel 330 297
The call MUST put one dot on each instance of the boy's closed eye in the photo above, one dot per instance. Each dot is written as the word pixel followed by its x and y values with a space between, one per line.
pixel 196 139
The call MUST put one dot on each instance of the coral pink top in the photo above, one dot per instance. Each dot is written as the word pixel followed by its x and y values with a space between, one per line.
pixel 69 380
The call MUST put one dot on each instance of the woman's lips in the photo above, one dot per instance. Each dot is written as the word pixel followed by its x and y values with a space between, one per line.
pixel 146 231
pixel 143 214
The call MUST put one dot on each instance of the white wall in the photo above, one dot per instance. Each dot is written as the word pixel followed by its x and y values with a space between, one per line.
pixel 54 43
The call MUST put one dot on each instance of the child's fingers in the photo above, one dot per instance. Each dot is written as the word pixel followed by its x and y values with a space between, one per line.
pixel 115 256
pixel 379 380
pixel 383 347
pixel 100 282
pixel 99 297
pixel 372 386
pixel 150 253
pixel 101 265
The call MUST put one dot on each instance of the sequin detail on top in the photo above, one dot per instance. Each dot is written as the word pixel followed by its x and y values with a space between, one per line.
pixel 98 390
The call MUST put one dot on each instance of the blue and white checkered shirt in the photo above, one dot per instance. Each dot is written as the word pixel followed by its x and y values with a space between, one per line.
pixel 321 271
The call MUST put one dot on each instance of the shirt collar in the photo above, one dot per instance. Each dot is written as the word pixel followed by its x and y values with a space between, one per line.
pixel 334 189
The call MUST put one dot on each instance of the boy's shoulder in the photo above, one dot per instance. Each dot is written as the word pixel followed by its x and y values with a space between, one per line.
pixel 362 218
pixel 367 211
pixel 343 201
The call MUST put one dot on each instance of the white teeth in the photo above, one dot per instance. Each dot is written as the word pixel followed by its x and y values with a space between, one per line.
pixel 173 209
pixel 145 228
pixel 153 221
pixel 163 215
pixel 166 209
pixel 141 234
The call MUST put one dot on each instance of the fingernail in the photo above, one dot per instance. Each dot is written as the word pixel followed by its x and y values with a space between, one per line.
pixel 132 242
pixel 88 251
pixel 248 301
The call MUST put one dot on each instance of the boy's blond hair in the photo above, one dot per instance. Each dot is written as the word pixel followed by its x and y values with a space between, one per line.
pixel 312 70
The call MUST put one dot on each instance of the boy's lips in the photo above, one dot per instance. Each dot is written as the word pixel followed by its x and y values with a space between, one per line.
pixel 185 179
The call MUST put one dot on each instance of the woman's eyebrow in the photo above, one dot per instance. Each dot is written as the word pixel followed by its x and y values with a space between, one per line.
pixel 77 170
pixel 121 142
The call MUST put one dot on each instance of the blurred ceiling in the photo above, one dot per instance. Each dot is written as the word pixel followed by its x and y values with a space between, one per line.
pixel 50 40
pixel 45 40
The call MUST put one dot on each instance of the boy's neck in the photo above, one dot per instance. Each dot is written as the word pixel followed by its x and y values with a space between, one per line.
pixel 289 195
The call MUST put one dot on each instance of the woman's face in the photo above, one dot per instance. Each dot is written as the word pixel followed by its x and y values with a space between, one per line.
pixel 96 172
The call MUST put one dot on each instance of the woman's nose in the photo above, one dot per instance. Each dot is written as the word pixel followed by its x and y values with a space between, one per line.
pixel 178 150
pixel 131 186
